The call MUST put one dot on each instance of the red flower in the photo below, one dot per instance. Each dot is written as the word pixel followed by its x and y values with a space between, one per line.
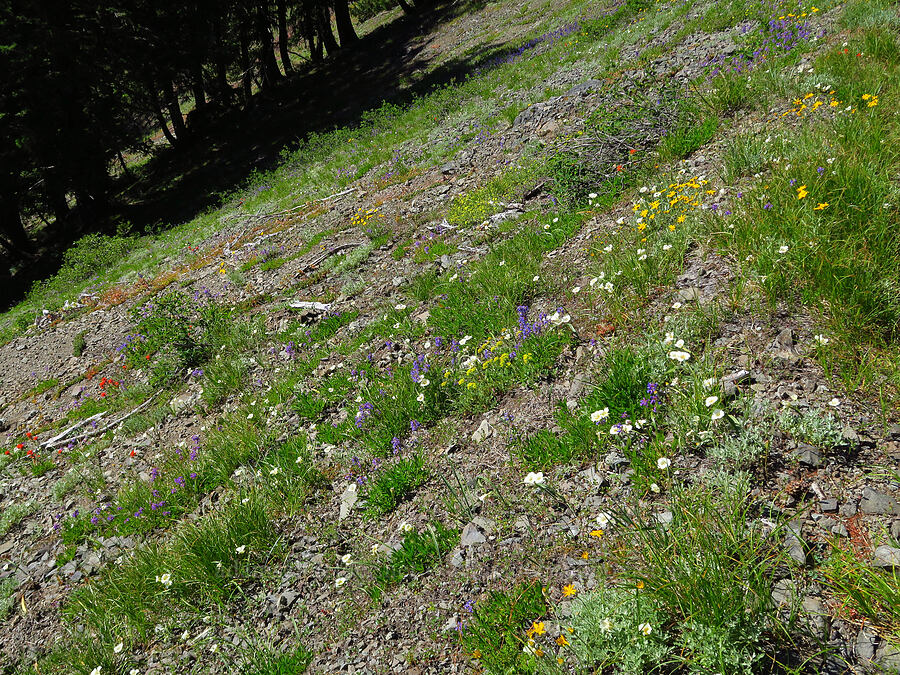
pixel 20 446
pixel 131 454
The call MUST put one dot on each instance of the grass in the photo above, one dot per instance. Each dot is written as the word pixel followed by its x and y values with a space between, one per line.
pixel 394 485
pixel 418 552
pixel 15 514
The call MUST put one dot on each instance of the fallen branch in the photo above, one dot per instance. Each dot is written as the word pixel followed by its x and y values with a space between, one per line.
pixel 72 428
pixel 61 440
pixel 337 249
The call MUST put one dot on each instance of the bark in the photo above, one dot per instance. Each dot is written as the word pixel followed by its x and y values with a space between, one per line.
pixel 344 23
pixel 406 7
pixel 283 38
pixel 174 108
pixel 14 236
pixel 222 86
pixel 325 34
pixel 268 64
pixel 197 85
pixel 246 72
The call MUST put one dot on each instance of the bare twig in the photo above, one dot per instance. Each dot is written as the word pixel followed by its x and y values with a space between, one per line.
pixel 328 254
pixel 60 440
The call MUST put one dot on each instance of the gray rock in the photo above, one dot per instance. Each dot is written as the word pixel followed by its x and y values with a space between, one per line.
pixel 457 559
pixel 865 645
pixel 828 505
pixel 784 593
pixel 847 510
pixel 483 432
pixel 348 499
pixel 840 530
pixel 486 525
pixel 793 544
pixel 471 535
pixel 584 88
pixel 886 556
pixel 877 503
pixel 808 455
pixel 888 658
pixel 815 616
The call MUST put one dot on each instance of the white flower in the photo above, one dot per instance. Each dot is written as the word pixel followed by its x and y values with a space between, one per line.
pixel 501 263
pixel 604 519
pixel 645 628
pixel 592 195
pixel 782 249
pixel 185 635
pixel 576 290
pixel 676 305
pixel 605 626
pixel 299 460
pixel 679 344
pixel 546 227
pixel 453 278
pixel 400 307
pixel 608 248
pixel 834 403
pixel 420 398
pixel 608 287
pixel 641 251
pixel 663 463
pixel 245 500
pixel 250 416
pixel 406 527
pixel 642 257
pixel 340 581
pixel 424 382
pixel 346 558
pixel 708 382
pixel 821 339
pixel 118 648
pixel 374 548
pixel 274 471
pixel 710 400
pixel 654 488
pixel 666 247
pixel 214 648
pixel 535 278
pixel 670 337
pixel 134 671
pixel 681 357
pixel 643 189
pixel 240 549
pixel 599 415
pixel 465 339
pixel 96 671
pixel 717 414
pixel 534 478
pixel 165 579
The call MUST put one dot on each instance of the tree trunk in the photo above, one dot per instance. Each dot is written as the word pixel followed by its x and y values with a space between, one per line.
pixel 283 38
pixel 174 108
pixel 125 169
pixel 325 34
pixel 197 84
pixel 309 32
pixel 344 23
pixel 268 65
pixel 11 225
pixel 406 7
pixel 246 72
pixel 222 86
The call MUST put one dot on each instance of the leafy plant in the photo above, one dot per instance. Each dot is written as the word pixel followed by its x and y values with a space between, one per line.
pixel 418 552
pixel 393 485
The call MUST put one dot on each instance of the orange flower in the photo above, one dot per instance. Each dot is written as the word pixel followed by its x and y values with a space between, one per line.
pixel 569 590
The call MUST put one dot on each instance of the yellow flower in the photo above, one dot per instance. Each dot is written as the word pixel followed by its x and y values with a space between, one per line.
pixel 682 218
pixel 562 641
pixel 586 555
pixel 569 590
pixel 527 357
pixel 821 206
pixel 597 533
pixel 640 585
pixel 801 192
pixel 537 628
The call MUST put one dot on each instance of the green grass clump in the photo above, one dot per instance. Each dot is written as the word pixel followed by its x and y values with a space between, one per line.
pixel 496 633
pixel 79 344
pixel 394 485
pixel 419 552
pixel 14 514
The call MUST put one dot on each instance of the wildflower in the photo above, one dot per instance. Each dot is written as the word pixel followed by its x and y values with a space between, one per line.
pixel 535 278
pixel 274 471
pixel 676 305
pixel 537 628
pixel 834 403
pixel 240 549
pixel 374 548
pixel 801 192
pixel 406 527
pixel 599 415
pixel 340 581
pixel 679 356
pixel 821 206
pixel 603 519
pixel 597 533
pixel 654 488
pixel 666 247
pixel 639 585
pixel 710 400
pixel 645 628
pixel 346 558
pixel 400 307
pixel 717 414
pixel 96 671
pixel 821 339
pixel 670 337
pixel 164 579
pixel 663 463
pixel 605 626
pixel 420 398
pixel 534 478
pixel 118 648
pixel 708 382
pixel 576 290
pixel 561 641
pixel 569 590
